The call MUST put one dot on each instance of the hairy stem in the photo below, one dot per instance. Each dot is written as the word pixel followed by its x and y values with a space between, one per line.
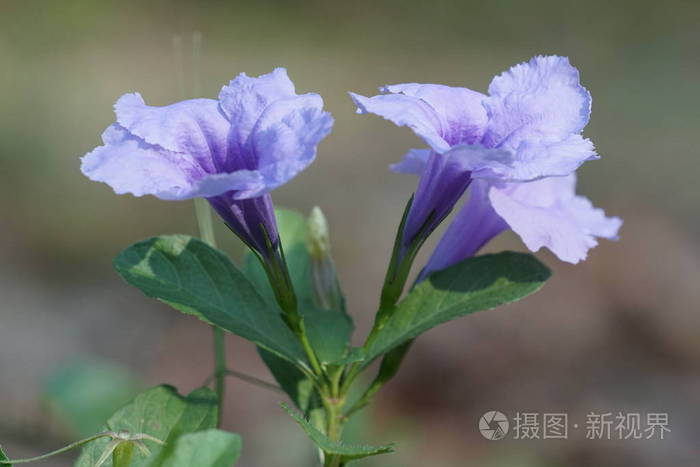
pixel 334 427
pixel 77 444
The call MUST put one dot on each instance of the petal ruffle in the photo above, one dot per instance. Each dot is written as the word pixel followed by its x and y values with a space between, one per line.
pixel 460 111
pixel 405 111
pixel 533 160
pixel 244 100
pixel 542 98
pixel 195 127
pixel 129 165
pixel 285 138
pixel 548 213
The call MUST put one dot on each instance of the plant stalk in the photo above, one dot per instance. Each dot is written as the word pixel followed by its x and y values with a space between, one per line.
pixel 220 370
pixel 402 258
pixel 77 444
pixel 206 232
pixel 334 415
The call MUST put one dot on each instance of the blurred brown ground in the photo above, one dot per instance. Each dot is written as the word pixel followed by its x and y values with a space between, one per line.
pixel 616 333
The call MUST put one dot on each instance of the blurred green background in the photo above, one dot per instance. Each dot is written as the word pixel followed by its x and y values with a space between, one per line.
pixel 618 333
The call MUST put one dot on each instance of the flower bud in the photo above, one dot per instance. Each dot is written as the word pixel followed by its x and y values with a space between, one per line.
pixel 323 276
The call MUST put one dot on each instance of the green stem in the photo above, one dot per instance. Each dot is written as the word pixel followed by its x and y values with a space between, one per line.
pixel 202 211
pixel 387 370
pixel 219 369
pixel 77 444
pixel 255 381
pixel 402 258
pixel 335 419
pixel 275 266
pixel 206 232
pixel 333 404
pixel 247 378
pixel 309 350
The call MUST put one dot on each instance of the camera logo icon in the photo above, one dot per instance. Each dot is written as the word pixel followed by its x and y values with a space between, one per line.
pixel 493 425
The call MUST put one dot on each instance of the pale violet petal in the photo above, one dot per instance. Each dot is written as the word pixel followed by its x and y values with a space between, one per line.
pixel 533 160
pixel 129 165
pixel 482 162
pixel 542 98
pixel 245 98
pixel 460 111
pixel 240 181
pixel 285 138
pixel 413 162
pixel 405 111
pixel 547 213
pixel 195 127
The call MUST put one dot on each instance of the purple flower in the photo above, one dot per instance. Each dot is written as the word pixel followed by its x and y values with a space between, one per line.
pixel 233 151
pixel 528 127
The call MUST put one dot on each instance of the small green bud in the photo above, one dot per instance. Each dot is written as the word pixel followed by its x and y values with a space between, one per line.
pixel 323 276
pixel 319 239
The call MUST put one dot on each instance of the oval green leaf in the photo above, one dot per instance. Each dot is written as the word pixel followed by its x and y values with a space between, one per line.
pixel 476 284
pixel 197 279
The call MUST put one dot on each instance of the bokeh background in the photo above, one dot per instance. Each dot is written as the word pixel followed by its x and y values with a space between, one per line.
pixel 617 333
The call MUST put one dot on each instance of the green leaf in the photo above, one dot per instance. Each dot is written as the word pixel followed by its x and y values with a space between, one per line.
pixel 83 394
pixel 208 448
pixel 329 333
pixel 479 283
pixel 3 457
pixel 159 412
pixel 197 279
pixel 353 355
pixel 123 454
pixel 347 451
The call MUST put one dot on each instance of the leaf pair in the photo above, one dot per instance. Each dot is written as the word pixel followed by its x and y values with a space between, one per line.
pixel 200 280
